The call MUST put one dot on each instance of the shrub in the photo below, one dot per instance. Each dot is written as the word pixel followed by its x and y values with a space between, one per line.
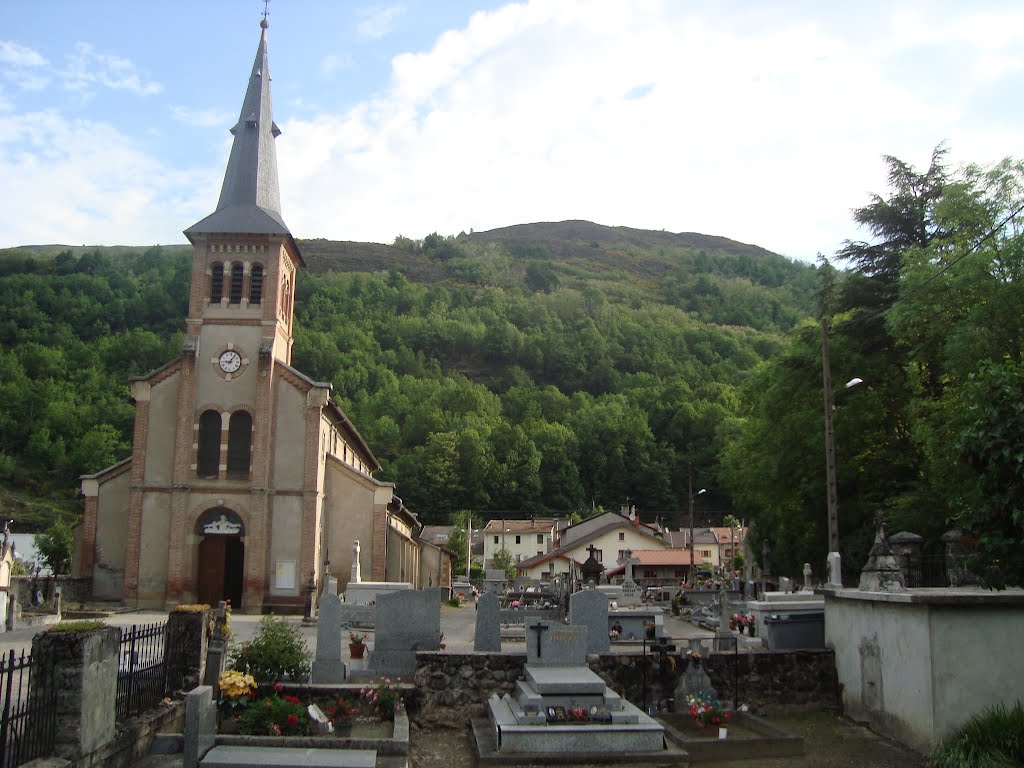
pixel 993 739
pixel 276 650
pixel 276 716
pixel 384 697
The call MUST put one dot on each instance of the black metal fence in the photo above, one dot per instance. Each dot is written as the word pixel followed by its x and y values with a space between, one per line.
pixel 28 720
pixel 924 570
pixel 141 669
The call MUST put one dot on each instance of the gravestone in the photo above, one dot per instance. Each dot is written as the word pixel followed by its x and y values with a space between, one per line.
pixel 328 666
pixel 200 725
pixel 488 624
pixel 835 570
pixel 407 621
pixel 694 680
pixel 724 641
pixel 630 590
pixel 807 575
pixel 589 609
pixel 553 644
pixel 785 584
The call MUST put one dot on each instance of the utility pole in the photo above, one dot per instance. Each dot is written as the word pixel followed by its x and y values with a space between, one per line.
pixel 690 495
pixel 830 443
pixel 469 543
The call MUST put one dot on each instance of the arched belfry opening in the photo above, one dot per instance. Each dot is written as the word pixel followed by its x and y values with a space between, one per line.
pixel 221 557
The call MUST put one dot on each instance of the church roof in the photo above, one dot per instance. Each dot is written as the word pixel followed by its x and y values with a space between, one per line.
pixel 250 198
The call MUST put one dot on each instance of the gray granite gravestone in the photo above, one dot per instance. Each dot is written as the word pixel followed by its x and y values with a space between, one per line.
pixel 488 624
pixel 589 609
pixel 200 725
pixel 407 621
pixel 553 644
pixel 328 666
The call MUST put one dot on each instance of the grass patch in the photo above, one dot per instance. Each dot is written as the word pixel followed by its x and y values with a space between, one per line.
pixel 993 739
pixel 85 625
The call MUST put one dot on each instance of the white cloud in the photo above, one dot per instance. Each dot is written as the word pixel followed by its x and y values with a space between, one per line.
pixel 333 63
pixel 86 68
pixel 23 66
pixel 202 118
pixel 77 181
pixel 378 21
pixel 764 127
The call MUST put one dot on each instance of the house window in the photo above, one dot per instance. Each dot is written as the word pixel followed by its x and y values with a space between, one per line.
pixel 495 539
pixel 519 558
pixel 705 553
pixel 208 455
pixel 239 444
pixel 539 553
pixel 680 573
pixel 540 538
pixel 237 276
pixel 622 554
pixel 650 573
pixel 216 283
pixel 256 284
pixel 518 539
pixel 622 535
pixel 599 555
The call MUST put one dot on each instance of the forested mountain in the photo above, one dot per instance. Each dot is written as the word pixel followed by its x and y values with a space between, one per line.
pixel 547 367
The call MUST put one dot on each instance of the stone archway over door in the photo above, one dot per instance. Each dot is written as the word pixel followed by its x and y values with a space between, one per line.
pixel 221 560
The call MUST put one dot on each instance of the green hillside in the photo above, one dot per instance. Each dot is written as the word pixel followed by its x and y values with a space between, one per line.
pixel 545 367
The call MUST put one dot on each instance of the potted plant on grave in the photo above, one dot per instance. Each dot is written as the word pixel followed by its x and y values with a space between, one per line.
pixel 342 713
pixel 356 646
pixel 384 697
pixel 276 715
pixel 440 641
pixel 237 692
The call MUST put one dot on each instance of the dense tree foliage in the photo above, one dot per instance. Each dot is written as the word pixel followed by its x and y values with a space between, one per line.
pixel 931 319
pixel 516 381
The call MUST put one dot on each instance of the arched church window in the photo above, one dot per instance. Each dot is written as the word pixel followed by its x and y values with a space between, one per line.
pixel 208 456
pixel 256 284
pixel 239 444
pixel 237 277
pixel 216 283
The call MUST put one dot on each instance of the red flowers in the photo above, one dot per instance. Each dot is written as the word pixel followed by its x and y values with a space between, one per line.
pixel 293 720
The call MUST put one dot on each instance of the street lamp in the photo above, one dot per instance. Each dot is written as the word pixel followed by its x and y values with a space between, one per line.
pixel 830 455
pixel 692 495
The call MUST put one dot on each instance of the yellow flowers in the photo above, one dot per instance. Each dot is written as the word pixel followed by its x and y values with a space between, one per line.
pixel 235 685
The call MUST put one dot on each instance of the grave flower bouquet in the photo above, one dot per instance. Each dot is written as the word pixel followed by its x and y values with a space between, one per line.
pixel 707 711
pixel 236 690
pixel 276 715
pixel 384 697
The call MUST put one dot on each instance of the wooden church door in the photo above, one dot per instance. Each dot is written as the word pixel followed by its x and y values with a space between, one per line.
pixel 220 570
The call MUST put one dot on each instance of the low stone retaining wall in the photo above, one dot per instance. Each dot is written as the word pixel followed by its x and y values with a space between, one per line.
pixel 455 687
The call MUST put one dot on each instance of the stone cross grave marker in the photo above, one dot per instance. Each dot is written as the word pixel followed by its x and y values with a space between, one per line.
pixel 807 575
pixel 488 624
pixel 589 609
pixel 357 574
pixel 630 591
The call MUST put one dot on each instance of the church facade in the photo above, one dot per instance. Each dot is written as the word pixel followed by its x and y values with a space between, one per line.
pixel 246 480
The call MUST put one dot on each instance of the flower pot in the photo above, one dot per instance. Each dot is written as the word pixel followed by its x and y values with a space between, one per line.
pixel 356 650
pixel 343 727
pixel 442 646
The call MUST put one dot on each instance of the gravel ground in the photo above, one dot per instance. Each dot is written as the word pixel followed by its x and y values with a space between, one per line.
pixel 830 742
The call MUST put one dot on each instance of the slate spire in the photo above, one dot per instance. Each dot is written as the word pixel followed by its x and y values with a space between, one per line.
pixel 250 200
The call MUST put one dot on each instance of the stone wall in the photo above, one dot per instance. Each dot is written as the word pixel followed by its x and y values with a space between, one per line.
pixel 74 589
pixel 454 687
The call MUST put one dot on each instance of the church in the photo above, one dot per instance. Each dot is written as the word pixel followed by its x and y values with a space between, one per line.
pixel 246 482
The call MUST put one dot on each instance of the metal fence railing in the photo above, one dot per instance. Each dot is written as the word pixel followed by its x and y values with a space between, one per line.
pixel 141 669
pixel 28 719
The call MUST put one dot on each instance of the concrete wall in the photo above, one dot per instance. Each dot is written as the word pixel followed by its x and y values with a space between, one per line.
pixel 916 665
pixel 163 419
pixel 111 527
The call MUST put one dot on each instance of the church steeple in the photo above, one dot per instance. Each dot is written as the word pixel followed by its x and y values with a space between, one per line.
pixel 250 200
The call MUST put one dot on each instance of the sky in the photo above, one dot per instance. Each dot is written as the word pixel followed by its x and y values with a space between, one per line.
pixel 764 122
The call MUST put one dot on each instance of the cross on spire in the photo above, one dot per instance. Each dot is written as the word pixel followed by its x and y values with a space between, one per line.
pixel 266 9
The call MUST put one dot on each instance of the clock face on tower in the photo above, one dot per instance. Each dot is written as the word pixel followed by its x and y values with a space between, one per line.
pixel 229 361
